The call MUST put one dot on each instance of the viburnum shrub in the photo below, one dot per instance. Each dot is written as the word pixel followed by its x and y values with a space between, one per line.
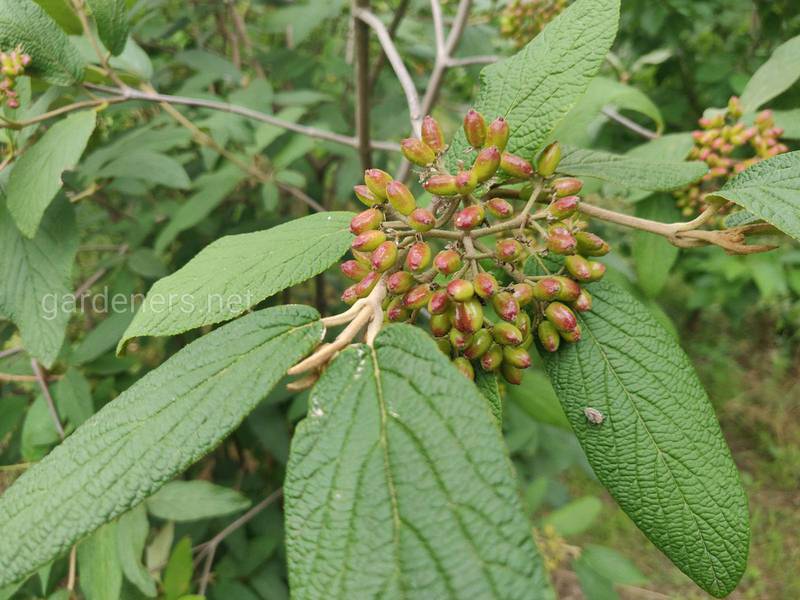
pixel 398 482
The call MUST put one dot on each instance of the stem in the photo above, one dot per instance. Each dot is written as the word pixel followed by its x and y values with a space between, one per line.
pixel 399 14
pixel 51 406
pixel 361 41
pixel 629 124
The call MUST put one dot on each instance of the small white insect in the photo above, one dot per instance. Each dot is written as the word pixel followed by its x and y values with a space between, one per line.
pixel 594 416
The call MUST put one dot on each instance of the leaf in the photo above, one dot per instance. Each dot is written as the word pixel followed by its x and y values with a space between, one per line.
pixel 148 166
pixel 774 77
pixel 36 177
pixel 178 572
pixel 398 484
pixel 111 17
pixel 151 432
pixel 536 88
pixel 593 584
pixel 145 262
pixel 132 529
pixel 574 517
pixel 102 338
pixel 789 121
pixel 25 23
pixel 536 397
pixel 630 171
pixel 770 189
pixel 612 565
pixel 35 276
pixel 63 14
pixel 73 397
pixel 488 387
pixel 98 564
pixel 659 450
pixel 38 431
pixel 238 271
pixel 653 256
pixel 195 500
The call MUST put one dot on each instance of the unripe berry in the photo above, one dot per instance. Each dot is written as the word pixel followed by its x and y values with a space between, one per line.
pixel 506 307
pixel 417 297
pixel 523 293
pixel 400 197
pixel 459 340
pixel 349 295
pixel 466 181
pixel 470 217
pixel 561 316
pixel 566 186
pixel 508 250
pixel 598 270
pixel 443 343
pixel 564 207
pixel 384 256
pixel 417 152
pixel 591 245
pixel 354 270
pixel 377 181
pixel 366 221
pixel 369 240
pixel 432 134
pixel 516 166
pixel 546 289
pixel 447 262
pixel 492 358
pixel 439 302
pixel 460 290
pixel 479 345
pixel 549 159
pixel 366 285
pixel 583 302
pixel 497 133
pixel 527 342
pixel 475 128
pixel 440 325
pixel 569 289
pixel 441 185
pixel 486 163
pixel 523 323
pixel 571 337
pixel 517 357
pixel 465 367
pixel 421 219
pixel 500 208
pixel 511 374
pixel 362 258
pixel 468 316
pixel 507 334
pixel 560 240
pixel 485 285
pixel 548 336
pixel 396 312
pixel 365 196
pixel 418 257
pixel 578 267
pixel 399 282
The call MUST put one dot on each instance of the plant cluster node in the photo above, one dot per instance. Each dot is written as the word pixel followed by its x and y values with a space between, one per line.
pixel 12 66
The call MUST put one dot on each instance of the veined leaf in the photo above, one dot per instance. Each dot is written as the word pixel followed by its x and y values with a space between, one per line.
pixel 774 77
pixel 111 17
pixel 770 190
pixel 239 271
pixel 35 276
pixel 654 256
pixel 488 386
pixel 659 450
pixel 151 432
pixel 630 171
pixel 36 177
pixel 194 500
pixel 132 530
pixel 537 87
pixel 399 486
pixel 24 23
pixel 148 166
pixel 99 566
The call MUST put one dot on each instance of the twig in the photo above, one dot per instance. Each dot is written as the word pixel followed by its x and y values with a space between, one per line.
pixel 473 60
pixel 51 406
pixel 629 124
pixel 72 569
pixel 361 48
pixel 97 275
pixel 17 467
pixel 80 10
pixel 10 352
pixel 393 27
pixel 14 378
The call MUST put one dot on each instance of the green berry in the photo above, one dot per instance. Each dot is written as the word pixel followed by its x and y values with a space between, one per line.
pixel 417 152
pixel 465 367
pixel 486 163
pixel 497 133
pixel 366 221
pixel 422 220
pixel 369 240
pixel 475 128
pixel 492 358
pixel 468 316
pixel 516 166
pixel 418 257
pixel 548 336
pixel 432 134
pixel 549 159
pixel 400 197
pixel 377 181
pixel 481 341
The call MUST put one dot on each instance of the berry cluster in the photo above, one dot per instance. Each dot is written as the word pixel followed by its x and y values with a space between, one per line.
pixel 729 146
pixel 522 20
pixel 12 65
pixel 433 263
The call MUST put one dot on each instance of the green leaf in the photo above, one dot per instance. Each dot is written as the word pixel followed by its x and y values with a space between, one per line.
pixel 36 177
pixel 25 23
pixel 574 517
pixel 399 486
pixel 774 77
pixel 770 189
pixel 593 584
pixel 38 431
pixel 630 171
pixel 178 572
pixel 612 565
pixel 238 271
pixel 111 17
pixel 536 397
pixel 73 397
pixel 132 530
pixel 98 564
pixel 487 385
pixel 789 121
pixel 102 338
pixel 653 256
pixel 536 88
pixel 659 450
pixel 63 14
pixel 35 276
pixel 154 430
pixel 195 500
pixel 151 167
pixel 145 262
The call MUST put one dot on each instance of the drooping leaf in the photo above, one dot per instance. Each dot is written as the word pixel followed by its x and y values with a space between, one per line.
pixel 770 190
pixel 399 486
pixel 653 256
pixel 36 178
pixel 24 23
pixel 537 87
pixel 194 500
pixel 98 564
pixel 63 14
pixel 651 175
pixel 239 271
pixel 111 17
pixel 574 517
pixel 35 276
pixel 178 572
pixel 774 77
pixel 659 449
pixel 132 530
pixel 612 565
pixel 150 167
pixel 154 430
pixel 594 585
pixel 102 338
pixel 73 397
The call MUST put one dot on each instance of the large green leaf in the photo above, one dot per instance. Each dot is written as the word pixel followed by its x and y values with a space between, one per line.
pixel 195 500
pixel 789 121
pixel 35 279
pixel 770 190
pixel 651 175
pixel 154 430
pixel 36 177
pixel 111 17
pixel 239 271
pixel 653 256
pixel 537 87
pixel 53 57
pixel 774 77
pixel 399 486
pixel 659 450
pixel 99 565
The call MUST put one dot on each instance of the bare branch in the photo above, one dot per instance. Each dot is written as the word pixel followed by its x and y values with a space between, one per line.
pixel 51 406
pixel 473 60
pixel 393 27
pixel 629 124
pixel 361 50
